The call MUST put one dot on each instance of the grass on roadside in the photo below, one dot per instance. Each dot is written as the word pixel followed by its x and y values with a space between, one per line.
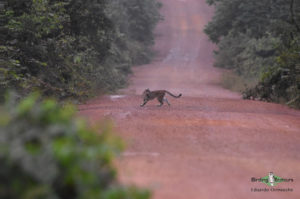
pixel 236 83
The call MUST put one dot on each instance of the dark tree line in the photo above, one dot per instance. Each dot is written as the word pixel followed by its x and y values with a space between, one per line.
pixel 72 48
pixel 66 49
pixel 260 41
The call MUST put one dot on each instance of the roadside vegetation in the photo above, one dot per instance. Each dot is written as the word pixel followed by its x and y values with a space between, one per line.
pixel 66 49
pixel 260 42
pixel 73 48
pixel 47 153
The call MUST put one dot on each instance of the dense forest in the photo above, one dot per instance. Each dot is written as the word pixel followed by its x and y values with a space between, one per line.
pixel 260 42
pixel 66 49
pixel 73 48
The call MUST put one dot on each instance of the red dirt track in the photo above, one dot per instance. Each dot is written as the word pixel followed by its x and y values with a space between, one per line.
pixel 210 142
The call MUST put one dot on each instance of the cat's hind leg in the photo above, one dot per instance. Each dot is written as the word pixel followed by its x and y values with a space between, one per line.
pixel 166 100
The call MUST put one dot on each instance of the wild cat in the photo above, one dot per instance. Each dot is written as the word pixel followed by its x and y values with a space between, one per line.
pixel 159 95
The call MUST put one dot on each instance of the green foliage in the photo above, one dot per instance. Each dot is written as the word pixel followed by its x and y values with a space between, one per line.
pixel 247 56
pixel 281 83
pixel 72 48
pixel 134 21
pixel 259 40
pixel 47 153
pixel 256 18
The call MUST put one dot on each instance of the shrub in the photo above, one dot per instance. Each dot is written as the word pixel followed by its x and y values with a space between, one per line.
pixel 47 153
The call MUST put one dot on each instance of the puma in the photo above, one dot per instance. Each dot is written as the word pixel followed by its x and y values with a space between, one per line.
pixel 159 95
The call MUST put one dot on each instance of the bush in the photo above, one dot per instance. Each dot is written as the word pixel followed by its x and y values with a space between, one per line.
pixel 47 153
pixel 281 83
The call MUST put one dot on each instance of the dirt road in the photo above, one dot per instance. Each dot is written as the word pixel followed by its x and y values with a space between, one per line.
pixel 209 143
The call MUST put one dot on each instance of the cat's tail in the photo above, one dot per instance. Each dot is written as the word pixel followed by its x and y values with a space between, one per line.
pixel 178 96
